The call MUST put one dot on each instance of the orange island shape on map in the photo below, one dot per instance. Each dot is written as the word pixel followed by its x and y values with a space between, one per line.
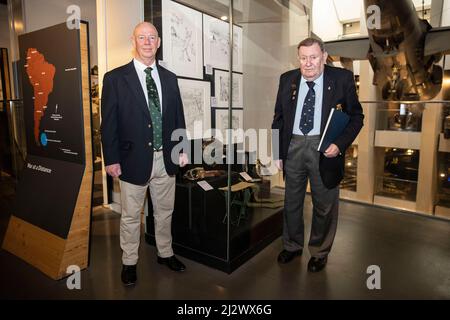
pixel 40 74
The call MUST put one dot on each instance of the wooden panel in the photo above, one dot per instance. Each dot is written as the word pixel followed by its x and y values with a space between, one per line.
pixel 394 203
pixel 347 194
pixel 77 246
pixel 38 247
pixel 398 139
pixel 427 179
pixel 365 176
pixel 47 252
pixel 442 212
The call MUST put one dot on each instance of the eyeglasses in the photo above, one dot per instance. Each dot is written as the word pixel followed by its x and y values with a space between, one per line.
pixel 150 38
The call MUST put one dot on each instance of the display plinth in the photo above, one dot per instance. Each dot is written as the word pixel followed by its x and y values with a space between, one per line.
pixel 200 227
pixel 50 225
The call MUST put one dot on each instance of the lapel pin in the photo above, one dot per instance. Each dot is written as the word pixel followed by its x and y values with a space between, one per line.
pixel 329 88
pixel 294 90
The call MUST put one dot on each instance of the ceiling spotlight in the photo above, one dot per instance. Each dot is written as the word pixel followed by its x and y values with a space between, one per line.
pixel 224 18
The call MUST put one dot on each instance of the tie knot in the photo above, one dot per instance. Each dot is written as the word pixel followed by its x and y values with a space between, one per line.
pixel 148 70
pixel 310 84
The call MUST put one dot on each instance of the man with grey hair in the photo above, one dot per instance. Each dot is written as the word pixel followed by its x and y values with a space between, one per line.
pixel 305 98
pixel 141 107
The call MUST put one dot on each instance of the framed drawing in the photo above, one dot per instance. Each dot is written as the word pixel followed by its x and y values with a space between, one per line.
pixel 221 89
pixel 196 97
pixel 217 41
pixel 237 123
pixel 182 40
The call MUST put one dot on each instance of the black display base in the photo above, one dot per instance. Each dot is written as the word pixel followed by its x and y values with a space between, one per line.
pixel 202 232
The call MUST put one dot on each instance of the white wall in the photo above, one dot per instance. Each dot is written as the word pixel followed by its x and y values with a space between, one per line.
pixel 446 13
pixel 45 13
pixel 116 22
pixel 269 49
pixel 347 10
pixel 325 22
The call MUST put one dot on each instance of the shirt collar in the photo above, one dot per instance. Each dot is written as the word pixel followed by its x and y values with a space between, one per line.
pixel 140 66
pixel 317 82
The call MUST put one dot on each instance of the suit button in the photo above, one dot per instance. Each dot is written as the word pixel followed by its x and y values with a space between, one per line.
pixel 149 144
pixel 149 125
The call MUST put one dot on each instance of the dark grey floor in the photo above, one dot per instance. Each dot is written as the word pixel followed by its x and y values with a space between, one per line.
pixel 412 251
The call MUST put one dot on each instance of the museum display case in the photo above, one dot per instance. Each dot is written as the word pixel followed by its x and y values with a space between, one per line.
pixel 399 177
pixel 226 211
pixel 443 173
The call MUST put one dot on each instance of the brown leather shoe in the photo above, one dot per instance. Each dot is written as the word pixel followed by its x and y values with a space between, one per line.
pixel 317 264
pixel 173 263
pixel 287 256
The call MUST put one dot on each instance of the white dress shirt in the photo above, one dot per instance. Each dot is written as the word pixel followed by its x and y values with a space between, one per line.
pixel 302 92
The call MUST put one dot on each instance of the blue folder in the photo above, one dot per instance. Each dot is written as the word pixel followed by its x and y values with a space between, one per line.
pixel 336 123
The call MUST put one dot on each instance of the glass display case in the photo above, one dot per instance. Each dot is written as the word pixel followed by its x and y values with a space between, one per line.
pixel 400 117
pixel 443 179
pixel 228 73
pixel 12 138
pixel 443 197
pixel 400 174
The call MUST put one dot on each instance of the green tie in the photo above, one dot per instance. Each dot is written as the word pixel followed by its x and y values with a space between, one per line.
pixel 155 110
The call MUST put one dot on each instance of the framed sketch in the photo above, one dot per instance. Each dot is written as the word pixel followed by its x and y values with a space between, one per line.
pixel 217 44
pixel 237 123
pixel 182 40
pixel 221 89
pixel 196 97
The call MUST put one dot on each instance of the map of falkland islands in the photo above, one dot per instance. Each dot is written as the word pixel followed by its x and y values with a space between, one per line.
pixel 40 74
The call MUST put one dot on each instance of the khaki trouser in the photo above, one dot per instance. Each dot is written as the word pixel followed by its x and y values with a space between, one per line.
pixel 162 192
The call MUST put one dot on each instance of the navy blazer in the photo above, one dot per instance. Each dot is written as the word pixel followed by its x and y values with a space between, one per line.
pixel 126 129
pixel 338 88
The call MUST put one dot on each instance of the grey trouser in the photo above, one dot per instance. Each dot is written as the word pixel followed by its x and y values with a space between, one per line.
pixel 302 163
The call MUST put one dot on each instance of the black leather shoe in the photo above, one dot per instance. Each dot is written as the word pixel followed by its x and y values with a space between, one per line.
pixel 317 264
pixel 287 256
pixel 173 263
pixel 129 275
